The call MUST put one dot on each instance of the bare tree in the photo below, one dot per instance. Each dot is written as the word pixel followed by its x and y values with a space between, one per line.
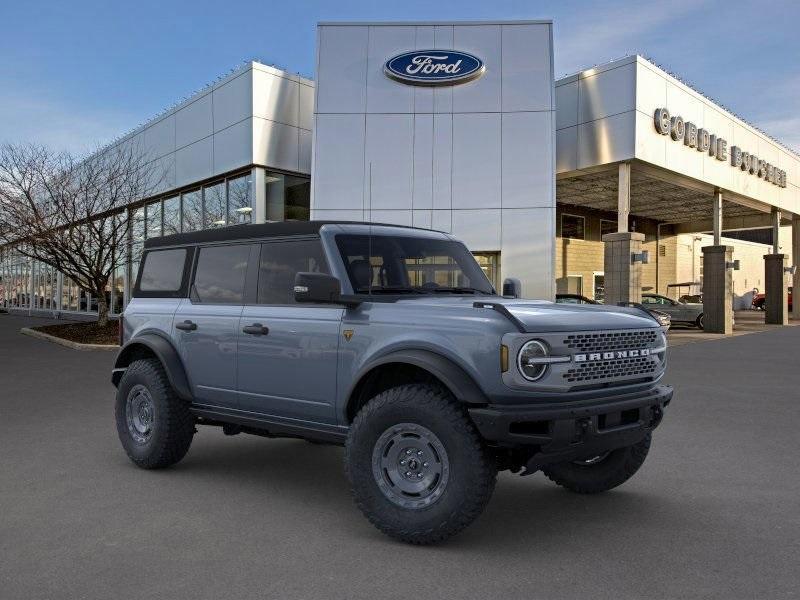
pixel 70 213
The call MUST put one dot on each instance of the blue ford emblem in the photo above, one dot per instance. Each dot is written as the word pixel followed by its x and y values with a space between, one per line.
pixel 434 67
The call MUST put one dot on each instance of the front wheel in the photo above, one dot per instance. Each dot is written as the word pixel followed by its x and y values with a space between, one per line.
pixel 600 473
pixel 417 468
pixel 700 322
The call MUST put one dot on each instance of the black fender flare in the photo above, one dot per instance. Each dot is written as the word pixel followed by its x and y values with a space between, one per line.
pixel 166 354
pixel 460 383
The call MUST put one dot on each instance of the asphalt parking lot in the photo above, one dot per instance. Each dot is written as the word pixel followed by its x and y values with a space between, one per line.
pixel 714 513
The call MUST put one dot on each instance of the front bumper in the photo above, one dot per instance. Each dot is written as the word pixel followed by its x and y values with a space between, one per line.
pixel 559 432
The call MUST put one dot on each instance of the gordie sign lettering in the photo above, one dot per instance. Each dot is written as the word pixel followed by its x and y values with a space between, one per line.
pixel 708 143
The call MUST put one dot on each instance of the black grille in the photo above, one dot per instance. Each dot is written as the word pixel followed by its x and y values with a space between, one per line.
pixel 605 342
pixel 642 366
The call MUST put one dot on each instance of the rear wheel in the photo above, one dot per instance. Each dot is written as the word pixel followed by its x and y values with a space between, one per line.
pixel 417 468
pixel 153 424
pixel 700 322
pixel 600 473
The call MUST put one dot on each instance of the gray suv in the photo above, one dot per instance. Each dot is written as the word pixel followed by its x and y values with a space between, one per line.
pixel 392 342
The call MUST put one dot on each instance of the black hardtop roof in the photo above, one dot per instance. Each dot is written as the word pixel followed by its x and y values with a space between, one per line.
pixel 251 231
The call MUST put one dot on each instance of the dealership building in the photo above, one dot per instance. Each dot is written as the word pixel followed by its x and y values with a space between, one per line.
pixel 607 183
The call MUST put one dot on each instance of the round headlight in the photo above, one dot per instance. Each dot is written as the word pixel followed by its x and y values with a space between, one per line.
pixel 528 360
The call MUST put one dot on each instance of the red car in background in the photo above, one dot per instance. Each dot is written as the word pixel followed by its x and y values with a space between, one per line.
pixel 760 299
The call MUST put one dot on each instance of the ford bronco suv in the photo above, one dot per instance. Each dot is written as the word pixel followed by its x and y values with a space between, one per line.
pixel 392 342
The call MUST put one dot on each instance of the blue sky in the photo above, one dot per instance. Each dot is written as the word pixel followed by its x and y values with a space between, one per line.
pixel 75 74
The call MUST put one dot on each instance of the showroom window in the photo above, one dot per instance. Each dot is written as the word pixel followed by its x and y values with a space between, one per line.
pixel 607 227
pixel 192 210
pixel 153 220
pixel 288 197
pixel 172 215
pixel 220 274
pixel 216 209
pixel 571 284
pixel 240 209
pixel 573 227
pixel 490 264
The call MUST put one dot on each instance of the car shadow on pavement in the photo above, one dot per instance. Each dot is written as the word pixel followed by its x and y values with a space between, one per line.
pixel 526 514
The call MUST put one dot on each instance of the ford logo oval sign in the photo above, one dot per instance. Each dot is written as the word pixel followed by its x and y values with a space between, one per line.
pixel 434 67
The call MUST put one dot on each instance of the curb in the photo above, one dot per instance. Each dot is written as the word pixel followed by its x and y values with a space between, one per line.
pixel 62 342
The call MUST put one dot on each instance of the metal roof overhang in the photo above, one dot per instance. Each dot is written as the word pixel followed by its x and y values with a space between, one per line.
pixel 661 195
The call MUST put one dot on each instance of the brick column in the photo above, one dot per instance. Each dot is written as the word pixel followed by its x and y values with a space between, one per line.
pixel 717 288
pixel 776 290
pixel 623 277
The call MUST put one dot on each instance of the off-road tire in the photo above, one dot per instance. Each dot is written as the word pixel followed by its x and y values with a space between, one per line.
pixel 615 469
pixel 172 423
pixel 472 469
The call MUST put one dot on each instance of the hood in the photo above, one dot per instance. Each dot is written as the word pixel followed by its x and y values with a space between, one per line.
pixel 548 316
pixel 540 316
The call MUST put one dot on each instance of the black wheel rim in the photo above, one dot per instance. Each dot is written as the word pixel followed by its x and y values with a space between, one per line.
pixel 410 466
pixel 139 413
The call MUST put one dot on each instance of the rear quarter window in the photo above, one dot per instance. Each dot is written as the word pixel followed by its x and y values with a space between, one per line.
pixel 163 273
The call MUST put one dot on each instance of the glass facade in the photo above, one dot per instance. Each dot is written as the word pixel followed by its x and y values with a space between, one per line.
pixel 490 264
pixel 240 205
pixel 172 215
pixel 192 210
pixel 288 197
pixel 215 206
pixel 28 284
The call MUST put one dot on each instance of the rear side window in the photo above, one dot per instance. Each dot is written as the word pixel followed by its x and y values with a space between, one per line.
pixel 220 274
pixel 280 262
pixel 162 271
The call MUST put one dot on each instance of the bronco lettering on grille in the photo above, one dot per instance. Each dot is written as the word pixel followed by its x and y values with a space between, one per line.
pixel 611 355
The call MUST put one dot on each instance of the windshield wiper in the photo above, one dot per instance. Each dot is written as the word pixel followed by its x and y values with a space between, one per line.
pixel 460 290
pixel 389 290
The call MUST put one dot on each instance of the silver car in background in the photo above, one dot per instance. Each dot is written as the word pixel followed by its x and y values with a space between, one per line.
pixel 680 312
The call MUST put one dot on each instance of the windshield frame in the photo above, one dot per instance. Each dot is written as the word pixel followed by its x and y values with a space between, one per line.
pixel 479 284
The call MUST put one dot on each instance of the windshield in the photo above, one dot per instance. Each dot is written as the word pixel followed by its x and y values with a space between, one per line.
pixel 383 264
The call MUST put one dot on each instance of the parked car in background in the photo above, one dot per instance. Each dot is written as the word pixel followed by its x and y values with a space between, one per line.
pixel 663 318
pixel 689 313
pixel 759 300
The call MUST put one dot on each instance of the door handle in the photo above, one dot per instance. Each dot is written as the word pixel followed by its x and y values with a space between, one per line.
pixel 256 329
pixel 186 326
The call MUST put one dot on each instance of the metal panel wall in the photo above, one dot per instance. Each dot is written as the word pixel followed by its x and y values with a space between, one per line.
pixel 256 115
pixel 475 159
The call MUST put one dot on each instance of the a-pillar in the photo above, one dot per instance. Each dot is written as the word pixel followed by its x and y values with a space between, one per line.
pixel 717 288
pixel 796 263
pixel 623 274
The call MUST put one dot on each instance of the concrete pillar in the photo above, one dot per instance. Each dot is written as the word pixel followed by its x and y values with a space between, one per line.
pixel 259 195
pixel 623 197
pixel 796 263
pixel 717 218
pixel 776 289
pixel 623 276
pixel 717 288
pixel 776 231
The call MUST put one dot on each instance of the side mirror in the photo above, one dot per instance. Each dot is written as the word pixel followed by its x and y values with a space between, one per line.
pixel 512 288
pixel 319 288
